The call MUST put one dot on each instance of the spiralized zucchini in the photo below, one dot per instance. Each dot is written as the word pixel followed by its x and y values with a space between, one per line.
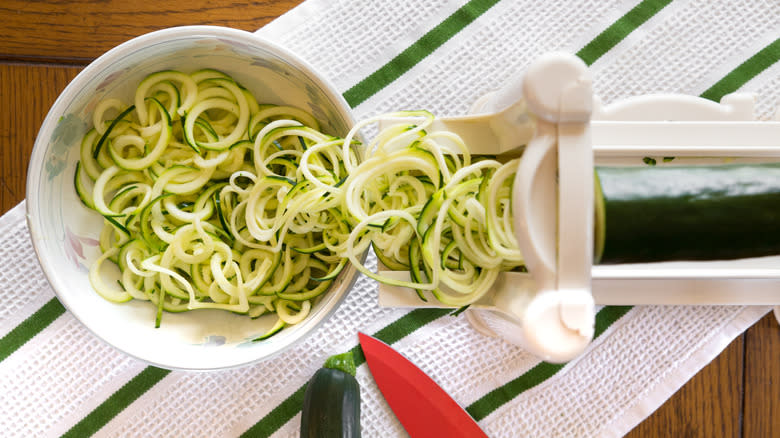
pixel 426 208
pixel 205 203
pixel 213 200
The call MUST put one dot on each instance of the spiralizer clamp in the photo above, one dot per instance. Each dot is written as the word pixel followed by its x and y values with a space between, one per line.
pixel 553 208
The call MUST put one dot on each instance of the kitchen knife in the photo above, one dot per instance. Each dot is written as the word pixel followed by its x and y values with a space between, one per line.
pixel 422 406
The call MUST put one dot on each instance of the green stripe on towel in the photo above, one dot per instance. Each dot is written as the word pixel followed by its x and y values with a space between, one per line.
pixel 745 72
pixel 415 53
pixel 117 402
pixel 30 327
pixel 620 29
pixel 469 12
pixel 538 374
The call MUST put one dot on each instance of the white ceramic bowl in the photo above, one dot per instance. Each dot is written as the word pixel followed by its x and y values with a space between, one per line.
pixel 64 232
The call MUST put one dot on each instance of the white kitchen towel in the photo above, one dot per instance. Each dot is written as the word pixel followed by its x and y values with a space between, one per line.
pixel 57 379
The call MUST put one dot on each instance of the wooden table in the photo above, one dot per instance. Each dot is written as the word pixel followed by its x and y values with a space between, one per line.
pixel 46 43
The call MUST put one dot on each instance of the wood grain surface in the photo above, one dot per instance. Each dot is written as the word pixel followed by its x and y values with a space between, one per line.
pixel 77 31
pixel 46 43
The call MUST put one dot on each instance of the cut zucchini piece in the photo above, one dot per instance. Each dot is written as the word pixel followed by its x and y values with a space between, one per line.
pixel 658 213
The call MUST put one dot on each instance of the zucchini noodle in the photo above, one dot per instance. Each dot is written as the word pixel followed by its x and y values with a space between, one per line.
pixel 212 200
pixel 204 201
pixel 426 208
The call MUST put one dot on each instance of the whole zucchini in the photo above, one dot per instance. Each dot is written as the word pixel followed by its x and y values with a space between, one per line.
pixel 331 403
pixel 662 213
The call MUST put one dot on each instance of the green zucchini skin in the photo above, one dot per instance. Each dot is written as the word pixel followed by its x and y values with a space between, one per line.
pixel 331 406
pixel 655 213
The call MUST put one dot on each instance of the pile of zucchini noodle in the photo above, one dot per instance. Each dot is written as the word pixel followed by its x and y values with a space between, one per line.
pixel 213 200
pixel 426 208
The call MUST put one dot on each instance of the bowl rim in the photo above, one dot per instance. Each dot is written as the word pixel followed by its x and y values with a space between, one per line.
pixel 35 166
